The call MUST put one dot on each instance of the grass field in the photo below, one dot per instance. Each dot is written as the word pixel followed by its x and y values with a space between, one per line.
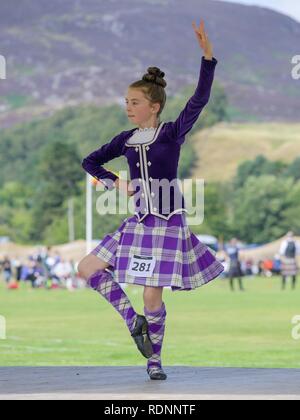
pixel 207 327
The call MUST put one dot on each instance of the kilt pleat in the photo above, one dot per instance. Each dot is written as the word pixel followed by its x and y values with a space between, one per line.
pixel 289 266
pixel 235 269
pixel 182 261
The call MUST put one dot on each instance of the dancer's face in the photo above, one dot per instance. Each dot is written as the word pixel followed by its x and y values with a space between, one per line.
pixel 139 109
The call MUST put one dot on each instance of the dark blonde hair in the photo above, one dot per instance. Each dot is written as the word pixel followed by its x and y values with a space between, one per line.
pixel 153 86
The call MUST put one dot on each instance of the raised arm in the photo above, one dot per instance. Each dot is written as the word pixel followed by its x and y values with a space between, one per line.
pixel 197 102
pixel 203 40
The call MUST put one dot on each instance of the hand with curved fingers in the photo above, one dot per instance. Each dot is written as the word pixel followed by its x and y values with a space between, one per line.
pixel 203 40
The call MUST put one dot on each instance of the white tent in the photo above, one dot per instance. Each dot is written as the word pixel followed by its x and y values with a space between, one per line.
pixel 267 251
pixel 74 250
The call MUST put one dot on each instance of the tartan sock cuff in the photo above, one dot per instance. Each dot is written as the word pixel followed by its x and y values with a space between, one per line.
pixel 161 311
pixel 94 280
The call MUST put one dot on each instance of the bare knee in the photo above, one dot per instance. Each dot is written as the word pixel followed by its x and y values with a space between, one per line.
pixel 82 269
pixel 153 298
pixel 89 265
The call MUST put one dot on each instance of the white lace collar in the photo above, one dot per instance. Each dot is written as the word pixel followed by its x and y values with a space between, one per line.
pixel 146 129
pixel 144 135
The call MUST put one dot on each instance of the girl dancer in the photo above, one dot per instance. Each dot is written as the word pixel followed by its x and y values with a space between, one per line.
pixel 154 248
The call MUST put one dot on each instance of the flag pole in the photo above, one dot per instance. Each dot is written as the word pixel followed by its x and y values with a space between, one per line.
pixel 89 213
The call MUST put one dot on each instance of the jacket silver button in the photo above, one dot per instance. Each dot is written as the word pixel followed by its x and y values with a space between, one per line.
pixel 155 209
pixel 140 179
pixel 138 164
pixel 136 149
pixel 152 194
pixel 143 195
pixel 145 209
pixel 147 148
pixel 149 163
pixel 150 179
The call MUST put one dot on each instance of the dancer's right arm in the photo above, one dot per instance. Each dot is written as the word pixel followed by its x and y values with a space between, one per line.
pixel 93 162
pixel 93 165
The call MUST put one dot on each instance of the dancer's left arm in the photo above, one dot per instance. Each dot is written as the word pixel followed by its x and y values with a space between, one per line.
pixel 197 102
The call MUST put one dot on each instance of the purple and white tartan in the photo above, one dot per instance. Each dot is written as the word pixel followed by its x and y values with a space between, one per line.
pixel 182 261
pixel 289 266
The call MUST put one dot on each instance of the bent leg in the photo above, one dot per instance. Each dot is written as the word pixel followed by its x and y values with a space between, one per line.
pixel 102 281
pixel 89 265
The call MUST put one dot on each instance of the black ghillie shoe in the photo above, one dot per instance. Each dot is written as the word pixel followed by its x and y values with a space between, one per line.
pixel 156 373
pixel 141 336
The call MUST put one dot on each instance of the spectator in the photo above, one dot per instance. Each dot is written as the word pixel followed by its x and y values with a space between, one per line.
pixel 7 270
pixel 289 249
pixel 249 267
pixel 268 267
pixel 18 267
pixel 235 270
pixel 276 264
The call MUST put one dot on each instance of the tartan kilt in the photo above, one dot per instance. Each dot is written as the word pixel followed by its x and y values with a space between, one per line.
pixel 235 269
pixel 289 266
pixel 182 261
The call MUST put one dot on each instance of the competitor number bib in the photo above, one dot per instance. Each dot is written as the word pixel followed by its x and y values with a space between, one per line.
pixel 141 266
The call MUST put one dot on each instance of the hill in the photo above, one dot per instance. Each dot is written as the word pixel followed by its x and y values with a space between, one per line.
pixel 78 52
pixel 222 148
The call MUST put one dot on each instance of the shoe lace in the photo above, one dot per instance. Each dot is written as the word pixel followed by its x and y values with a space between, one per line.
pixel 155 369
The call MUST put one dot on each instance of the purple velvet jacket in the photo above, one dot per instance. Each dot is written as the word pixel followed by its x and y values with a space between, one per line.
pixel 154 163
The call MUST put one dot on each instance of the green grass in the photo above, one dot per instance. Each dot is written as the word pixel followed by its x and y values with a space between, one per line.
pixel 207 327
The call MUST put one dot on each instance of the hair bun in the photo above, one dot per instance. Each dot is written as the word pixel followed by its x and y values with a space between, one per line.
pixel 156 72
pixel 155 75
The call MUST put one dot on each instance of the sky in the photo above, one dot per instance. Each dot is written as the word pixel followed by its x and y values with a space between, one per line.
pixel 288 7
